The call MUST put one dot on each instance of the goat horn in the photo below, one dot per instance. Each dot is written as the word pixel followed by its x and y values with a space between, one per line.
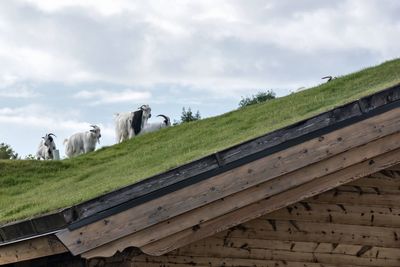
pixel 52 134
pixel 161 115
pixel 94 126
pixel 327 77
pixel 142 106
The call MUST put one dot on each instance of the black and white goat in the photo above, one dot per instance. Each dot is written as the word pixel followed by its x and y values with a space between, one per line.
pixel 82 142
pixel 155 126
pixel 130 124
pixel 46 147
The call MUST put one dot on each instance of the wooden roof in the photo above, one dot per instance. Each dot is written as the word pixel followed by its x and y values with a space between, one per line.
pixel 230 187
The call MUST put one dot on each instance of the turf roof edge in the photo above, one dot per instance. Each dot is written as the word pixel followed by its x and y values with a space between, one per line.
pixel 204 168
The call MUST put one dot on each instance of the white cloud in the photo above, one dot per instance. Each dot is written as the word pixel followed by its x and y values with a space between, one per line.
pixel 41 117
pixel 103 7
pixel 97 97
pixel 32 121
pixel 204 44
pixel 11 87
pixel 18 93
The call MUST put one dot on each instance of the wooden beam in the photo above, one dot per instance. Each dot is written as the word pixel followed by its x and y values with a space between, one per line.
pixel 354 198
pixel 242 240
pixel 249 196
pixel 342 214
pixel 368 190
pixel 248 253
pixel 220 186
pixel 378 179
pixel 320 232
pixel 31 249
pixel 180 261
pixel 273 203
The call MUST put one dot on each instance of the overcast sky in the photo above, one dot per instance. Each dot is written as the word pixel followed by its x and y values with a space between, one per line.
pixel 66 64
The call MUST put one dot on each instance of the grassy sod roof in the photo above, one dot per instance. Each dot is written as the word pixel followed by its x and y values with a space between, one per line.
pixel 29 188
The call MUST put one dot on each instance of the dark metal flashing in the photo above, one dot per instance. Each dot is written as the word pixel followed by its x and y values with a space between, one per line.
pixel 204 168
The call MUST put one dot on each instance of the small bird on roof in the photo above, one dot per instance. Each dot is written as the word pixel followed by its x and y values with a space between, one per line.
pixel 330 78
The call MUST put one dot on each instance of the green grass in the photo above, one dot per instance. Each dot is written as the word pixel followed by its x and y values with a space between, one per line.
pixel 29 188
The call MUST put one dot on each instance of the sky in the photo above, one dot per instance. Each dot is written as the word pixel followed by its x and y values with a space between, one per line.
pixel 67 64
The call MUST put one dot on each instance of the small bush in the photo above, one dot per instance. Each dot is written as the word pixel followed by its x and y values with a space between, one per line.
pixel 6 152
pixel 188 115
pixel 258 98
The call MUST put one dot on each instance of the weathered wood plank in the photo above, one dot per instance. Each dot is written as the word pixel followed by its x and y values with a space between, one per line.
pixel 342 214
pixel 259 171
pixel 368 190
pixel 253 194
pixel 354 198
pixel 320 232
pixel 216 261
pixel 278 255
pixel 31 249
pixel 223 240
pixel 379 179
pixel 394 168
pixel 273 203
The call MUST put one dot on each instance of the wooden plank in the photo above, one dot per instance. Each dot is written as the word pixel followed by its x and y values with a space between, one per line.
pixel 251 195
pixel 31 249
pixel 379 183
pixel 280 255
pixel 333 213
pixel 223 240
pixel 271 204
pixel 163 208
pixel 354 198
pixel 170 260
pixel 395 168
pixel 368 190
pixel 320 232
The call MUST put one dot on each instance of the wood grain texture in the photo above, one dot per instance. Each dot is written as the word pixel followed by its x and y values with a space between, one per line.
pixel 228 240
pixel 308 211
pixel 31 249
pixel 344 198
pixel 200 194
pixel 273 203
pixel 251 195
pixel 175 261
pixel 322 232
pixel 302 234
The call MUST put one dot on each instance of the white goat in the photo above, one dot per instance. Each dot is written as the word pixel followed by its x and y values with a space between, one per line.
pixel 155 126
pixel 82 142
pixel 46 147
pixel 129 124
